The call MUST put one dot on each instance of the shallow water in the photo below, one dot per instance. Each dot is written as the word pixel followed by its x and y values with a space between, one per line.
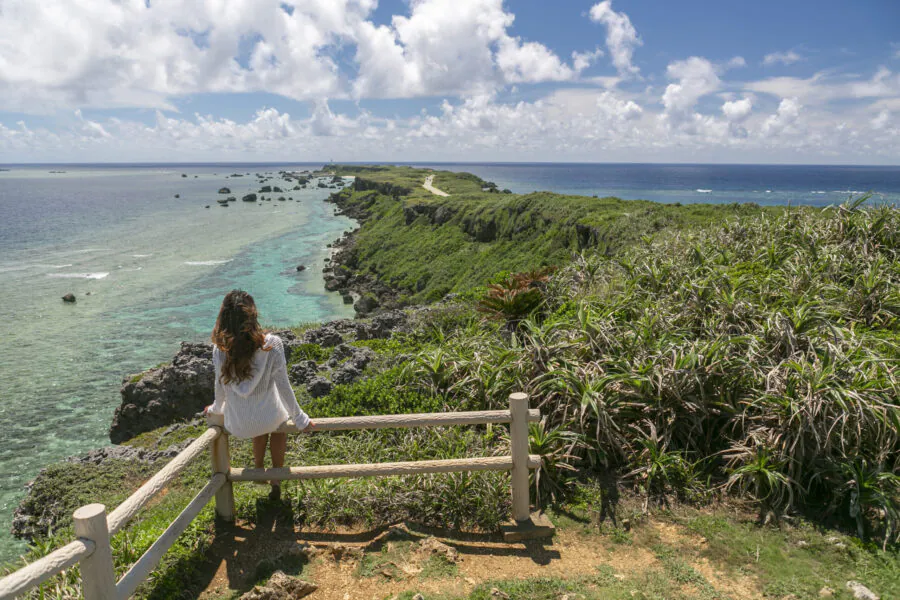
pixel 156 268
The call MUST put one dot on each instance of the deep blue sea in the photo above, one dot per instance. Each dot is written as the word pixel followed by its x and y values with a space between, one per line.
pixel 149 270
pixel 763 184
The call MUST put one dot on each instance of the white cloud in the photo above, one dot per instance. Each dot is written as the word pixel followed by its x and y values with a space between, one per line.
pixel 737 111
pixel 68 53
pixel 882 120
pixel 696 77
pixel 785 58
pixel 823 87
pixel 450 47
pixel 621 36
pixel 576 123
pixel 529 62
pixel 583 60
pixel 93 53
pixel 787 114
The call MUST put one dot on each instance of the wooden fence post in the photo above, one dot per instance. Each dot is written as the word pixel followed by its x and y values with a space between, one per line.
pixel 518 435
pixel 221 463
pixel 98 578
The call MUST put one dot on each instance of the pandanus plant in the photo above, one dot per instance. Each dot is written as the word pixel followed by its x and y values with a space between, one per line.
pixel 516 298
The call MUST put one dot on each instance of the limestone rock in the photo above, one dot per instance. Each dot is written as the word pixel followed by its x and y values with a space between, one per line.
pixel 325 336
pixel 861 592
pixel 430 546
pixel 318 387
pixel 366 304
pixel 281 587
pixel 163 395
pixel 303 372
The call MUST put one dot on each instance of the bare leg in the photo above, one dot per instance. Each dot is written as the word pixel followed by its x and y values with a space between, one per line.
pixel 278 447
pixel 259 450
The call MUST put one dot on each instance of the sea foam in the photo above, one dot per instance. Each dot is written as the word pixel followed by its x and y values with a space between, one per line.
pixel 79 275
pixel 206 263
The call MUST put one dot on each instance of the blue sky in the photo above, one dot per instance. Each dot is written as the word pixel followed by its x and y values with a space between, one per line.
pixel 530 80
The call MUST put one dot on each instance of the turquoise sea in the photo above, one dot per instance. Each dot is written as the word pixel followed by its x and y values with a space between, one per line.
pixel 155 268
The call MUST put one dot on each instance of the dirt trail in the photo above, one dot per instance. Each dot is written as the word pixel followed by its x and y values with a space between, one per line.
pixel 428 186
pixel 332 561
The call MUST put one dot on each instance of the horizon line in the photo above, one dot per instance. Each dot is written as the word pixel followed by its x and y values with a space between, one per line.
pixel 437 162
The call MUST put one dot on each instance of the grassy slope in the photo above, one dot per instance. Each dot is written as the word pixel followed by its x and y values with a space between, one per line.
pixel 518 232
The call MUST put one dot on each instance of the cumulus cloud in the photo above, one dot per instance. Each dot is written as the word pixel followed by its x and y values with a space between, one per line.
pixel 583 60
pixel 579 124
pixel 92 53
pixel 784 58
pixel 450 47
pixel 787 114
pixel 65 53
pixel 737 111
pixel 696 77
pixel 621 36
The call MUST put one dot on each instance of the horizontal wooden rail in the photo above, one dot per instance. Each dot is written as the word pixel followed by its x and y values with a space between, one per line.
pixel 489 463
pixel 44 568
pixel 478 417
pixel 140 570
pixel 124 512
pixel 94 527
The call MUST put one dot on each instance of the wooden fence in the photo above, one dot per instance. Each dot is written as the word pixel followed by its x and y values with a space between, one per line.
pixel 93 527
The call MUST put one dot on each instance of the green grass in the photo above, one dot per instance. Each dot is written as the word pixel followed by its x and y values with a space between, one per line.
pixel 799 559
pixel 429 246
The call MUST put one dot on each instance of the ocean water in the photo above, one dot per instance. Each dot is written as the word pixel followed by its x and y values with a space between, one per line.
pixel 156 268
pixel 766 185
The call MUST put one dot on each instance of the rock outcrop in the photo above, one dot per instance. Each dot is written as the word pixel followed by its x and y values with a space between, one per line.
pixel 177 392
pixel 43 510
pixel 70 298
pixel 163 395
pixel 281 587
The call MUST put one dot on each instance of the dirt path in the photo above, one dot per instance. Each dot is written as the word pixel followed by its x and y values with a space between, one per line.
pixel 364 565
pixel 427 185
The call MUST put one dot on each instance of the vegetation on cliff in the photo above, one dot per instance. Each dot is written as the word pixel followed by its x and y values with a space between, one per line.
pixel 427 246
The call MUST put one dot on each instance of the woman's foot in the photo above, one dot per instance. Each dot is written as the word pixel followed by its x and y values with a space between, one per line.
pixel 275 494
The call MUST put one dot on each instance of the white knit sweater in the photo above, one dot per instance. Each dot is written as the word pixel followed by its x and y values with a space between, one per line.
pixel 258 405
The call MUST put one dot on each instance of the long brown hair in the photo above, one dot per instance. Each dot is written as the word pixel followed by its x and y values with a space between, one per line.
pixel 237 333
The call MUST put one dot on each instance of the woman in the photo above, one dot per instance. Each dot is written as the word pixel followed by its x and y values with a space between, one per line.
pixel 252 386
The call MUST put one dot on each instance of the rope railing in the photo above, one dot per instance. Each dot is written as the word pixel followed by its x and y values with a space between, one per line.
pixel 93 527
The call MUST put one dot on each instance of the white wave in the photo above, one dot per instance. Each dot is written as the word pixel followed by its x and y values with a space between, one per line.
pixel 702 191
pixel 141 255
pixel 768 191
pixel 42 266
pixel 79 275
pixel 206 263
pixel 818 192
